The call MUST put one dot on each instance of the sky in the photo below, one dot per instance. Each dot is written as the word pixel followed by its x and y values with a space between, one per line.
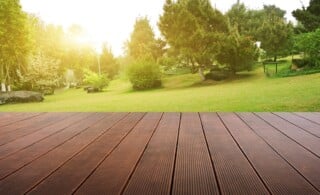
pixel 112 21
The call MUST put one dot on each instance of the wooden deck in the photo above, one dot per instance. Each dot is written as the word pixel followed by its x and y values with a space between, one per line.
pixel 160 153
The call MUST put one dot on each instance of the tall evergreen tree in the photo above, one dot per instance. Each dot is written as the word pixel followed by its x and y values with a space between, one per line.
pixel 142 42
pixel 109 65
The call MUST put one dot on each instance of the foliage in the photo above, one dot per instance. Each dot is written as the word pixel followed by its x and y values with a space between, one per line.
pixel 66 47
pixel 275 33
pixel 247 21
pixel 144 74
pixel 310 16
pixel 288 72
pixel 14 40
pixel 109 64
pixel 238 52
pixel 309 44
pixel 42 75
pixel 142 42
pixel 95 80
pixel 193 29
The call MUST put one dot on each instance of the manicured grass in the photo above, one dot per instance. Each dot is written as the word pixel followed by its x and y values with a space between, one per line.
pixel 183 93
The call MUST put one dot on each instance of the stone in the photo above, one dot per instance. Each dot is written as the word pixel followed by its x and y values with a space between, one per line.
pixel 93 90
pixel 20 97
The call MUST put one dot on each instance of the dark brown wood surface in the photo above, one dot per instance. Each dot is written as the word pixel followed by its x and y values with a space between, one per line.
pixel 160 153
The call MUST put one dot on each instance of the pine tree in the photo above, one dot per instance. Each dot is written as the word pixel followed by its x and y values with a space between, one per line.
pixel 193 28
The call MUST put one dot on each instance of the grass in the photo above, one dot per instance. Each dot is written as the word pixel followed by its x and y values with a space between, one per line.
pixel 185 93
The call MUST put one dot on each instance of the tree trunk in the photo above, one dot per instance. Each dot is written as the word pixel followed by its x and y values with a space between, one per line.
pixel 275 58
pixel 3 87
pixel 201 74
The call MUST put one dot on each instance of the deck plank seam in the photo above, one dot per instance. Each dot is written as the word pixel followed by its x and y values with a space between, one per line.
pixel 59 131
pixel 253 167
pixel 107 155
pixel 280 154
pixel 140 157
pixel 82 149
pixel 36 129
pixel 286 135
pixel 212 163
pixel 295 124
pixel 305 118
pixel 4 177
pixel 49 125
pixel 34 117
pixel 23 119
pixel 175 157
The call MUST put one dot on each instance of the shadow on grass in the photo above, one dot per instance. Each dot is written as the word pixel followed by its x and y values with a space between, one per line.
pixel 240 77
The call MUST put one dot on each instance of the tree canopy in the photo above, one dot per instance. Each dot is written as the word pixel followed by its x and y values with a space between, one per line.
pixel 14 40
pixel 274 32
pixel 193 29
pixel 142 42
pixel 310 16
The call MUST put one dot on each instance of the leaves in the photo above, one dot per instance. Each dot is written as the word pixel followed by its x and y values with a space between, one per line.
pixel 310 16
pixel 95 80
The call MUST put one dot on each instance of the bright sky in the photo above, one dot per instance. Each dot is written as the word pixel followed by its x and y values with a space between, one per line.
pixel 112 21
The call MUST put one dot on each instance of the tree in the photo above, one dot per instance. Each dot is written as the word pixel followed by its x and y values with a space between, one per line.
pixel 193 29
pixel 14 41
pixel 108 62
pixel 41 75
pixel 275 33
pixel 310 16
pixel 238 52
pixel 309 44
pixel 142 42
pixel 238 16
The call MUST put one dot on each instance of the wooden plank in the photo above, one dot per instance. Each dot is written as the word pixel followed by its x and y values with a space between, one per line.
pixel 303 123
pixel 5 116
pixel 22 158
pixel 194 173
pixel 277 174
pixel 32 174
pixel 24 128
pixel 24 123
pixel 234 172
pixel 153 174
pixel 305 139
pixel 23 142
pixel 17 117
pixel 305 162
pixel 111 176
pixel 314 117
pixel 83 164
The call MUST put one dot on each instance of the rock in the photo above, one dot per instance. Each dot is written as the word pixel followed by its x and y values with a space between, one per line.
pixel 92 90
pixel 20 97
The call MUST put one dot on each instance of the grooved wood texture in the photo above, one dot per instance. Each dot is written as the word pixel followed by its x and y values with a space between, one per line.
pixel 160 153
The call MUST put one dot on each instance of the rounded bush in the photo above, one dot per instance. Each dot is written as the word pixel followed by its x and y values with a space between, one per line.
pixel 144 74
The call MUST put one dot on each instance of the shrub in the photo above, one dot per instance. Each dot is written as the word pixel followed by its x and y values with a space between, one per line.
pixel 217 75
pixel 144 74
pixel 42 75
pixel 95 80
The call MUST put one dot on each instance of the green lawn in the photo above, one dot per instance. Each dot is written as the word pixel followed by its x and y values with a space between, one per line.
pixel 183 93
